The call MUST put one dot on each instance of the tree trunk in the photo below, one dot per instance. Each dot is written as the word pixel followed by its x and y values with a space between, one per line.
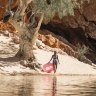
pixel 27 40
pixel 25 50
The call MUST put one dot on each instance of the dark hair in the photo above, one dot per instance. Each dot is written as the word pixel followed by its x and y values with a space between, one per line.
pixel 55 52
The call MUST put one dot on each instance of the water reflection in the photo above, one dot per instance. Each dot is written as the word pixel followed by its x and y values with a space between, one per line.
pixel 47 86
pixel 25 89
pixel 54 86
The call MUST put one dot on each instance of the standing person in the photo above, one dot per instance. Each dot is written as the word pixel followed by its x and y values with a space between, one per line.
pixel 55 61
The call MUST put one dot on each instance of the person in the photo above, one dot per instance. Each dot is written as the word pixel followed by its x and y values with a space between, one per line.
pixel 55 61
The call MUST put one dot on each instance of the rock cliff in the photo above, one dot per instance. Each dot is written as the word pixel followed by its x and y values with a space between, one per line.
pixel 70 30
pixel 78 29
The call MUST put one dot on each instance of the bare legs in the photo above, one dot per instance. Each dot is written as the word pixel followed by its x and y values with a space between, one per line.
pixel 55 66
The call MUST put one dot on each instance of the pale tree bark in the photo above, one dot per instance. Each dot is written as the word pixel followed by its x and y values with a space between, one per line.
pixel 22 5
pixel 27 39
pixel 26 35
pixel 25 50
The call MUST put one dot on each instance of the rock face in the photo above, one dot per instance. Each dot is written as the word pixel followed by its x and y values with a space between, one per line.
pixel 3 3
pixel 78 29
pixel 7 26
pixel 70 31
pixel 50 39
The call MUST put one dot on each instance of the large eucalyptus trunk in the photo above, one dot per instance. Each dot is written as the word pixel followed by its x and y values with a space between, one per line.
pixel 25 47
pixel 27 35
pixel 27 40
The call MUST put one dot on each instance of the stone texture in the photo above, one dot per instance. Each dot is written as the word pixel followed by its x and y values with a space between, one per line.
pixel 3 5
pixel 7 26
pixel 50 39
pixel 80 28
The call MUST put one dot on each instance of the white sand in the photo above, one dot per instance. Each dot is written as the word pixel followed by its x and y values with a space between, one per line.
pixel 68 65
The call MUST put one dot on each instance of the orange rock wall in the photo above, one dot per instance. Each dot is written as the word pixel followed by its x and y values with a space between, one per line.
pixel 50 39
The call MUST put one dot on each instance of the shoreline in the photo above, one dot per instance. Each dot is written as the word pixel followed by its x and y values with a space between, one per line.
pixel 44 74
pixel 69 66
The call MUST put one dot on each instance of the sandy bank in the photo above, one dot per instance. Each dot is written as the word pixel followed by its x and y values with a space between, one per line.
pixel 68 64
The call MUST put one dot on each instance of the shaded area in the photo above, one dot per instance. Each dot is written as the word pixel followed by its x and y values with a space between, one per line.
pixel 77 29
pixel 74 36
pixel 10 59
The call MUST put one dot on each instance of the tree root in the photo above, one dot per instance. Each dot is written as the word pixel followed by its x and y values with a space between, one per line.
pixel 31 64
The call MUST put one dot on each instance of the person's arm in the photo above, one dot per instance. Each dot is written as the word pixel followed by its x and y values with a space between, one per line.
pixel 51 58
pixel 58 59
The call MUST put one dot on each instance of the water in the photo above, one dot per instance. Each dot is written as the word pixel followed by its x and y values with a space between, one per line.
pixel 47 86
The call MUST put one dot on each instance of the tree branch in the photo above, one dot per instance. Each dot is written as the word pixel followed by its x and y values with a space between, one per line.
pixel 23 5
pixel 37 29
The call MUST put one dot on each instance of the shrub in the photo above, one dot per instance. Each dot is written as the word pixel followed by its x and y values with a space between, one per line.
pixel 82 50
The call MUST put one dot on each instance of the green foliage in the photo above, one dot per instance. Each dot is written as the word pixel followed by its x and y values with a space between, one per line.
pixel 82 50
pixel 63 7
